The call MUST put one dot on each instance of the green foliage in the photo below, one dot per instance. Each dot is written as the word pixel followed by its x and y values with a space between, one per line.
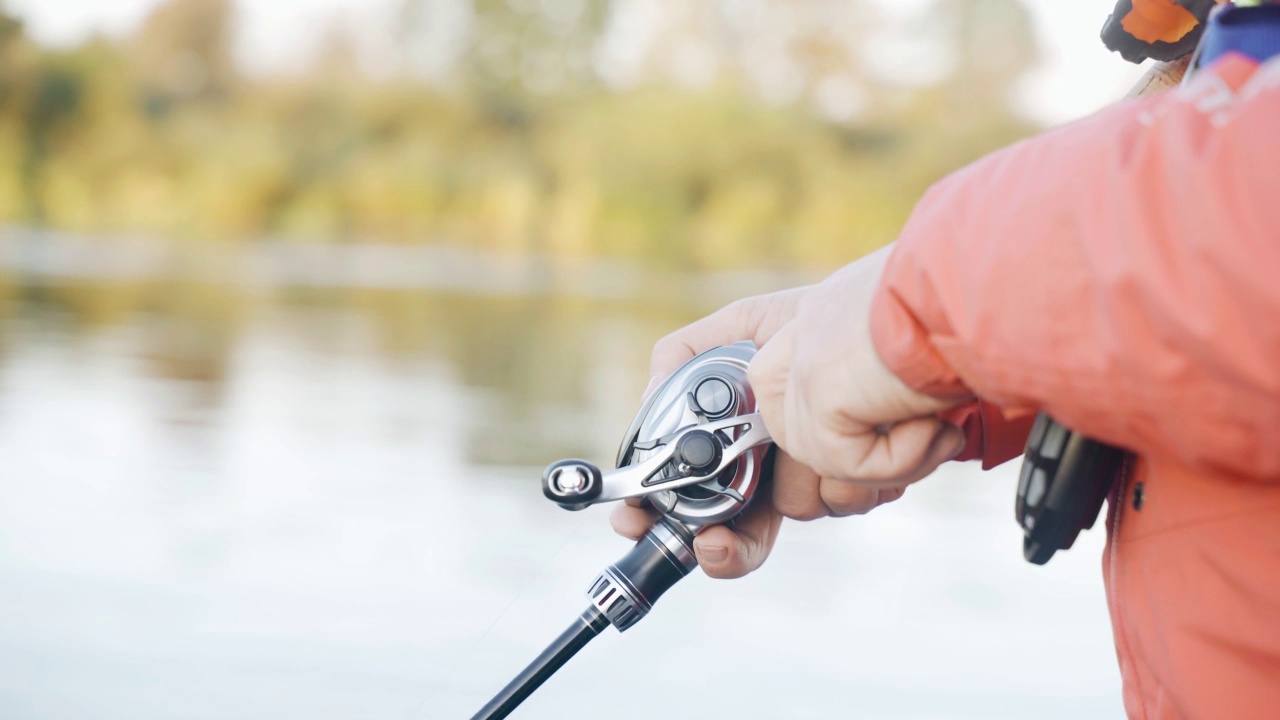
pixel 161 135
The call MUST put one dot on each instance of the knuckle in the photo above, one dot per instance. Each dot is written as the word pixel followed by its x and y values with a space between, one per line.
pixel 841 457
pixel 758 374
pixel 845 499
pixel 766 368
pixel 875 468
pixel 773 422
pixel 666 347
pixel 738 308
pixel 804 514
pixel 795 492
pixel 890 494
pixel 747 309
pixel 854 508
pixel 812 450
pixel 802 508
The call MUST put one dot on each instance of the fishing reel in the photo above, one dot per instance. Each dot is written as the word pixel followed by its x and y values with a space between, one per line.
pixel 695 453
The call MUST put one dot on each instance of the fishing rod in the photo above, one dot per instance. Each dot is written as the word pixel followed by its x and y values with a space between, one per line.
pixel 695 453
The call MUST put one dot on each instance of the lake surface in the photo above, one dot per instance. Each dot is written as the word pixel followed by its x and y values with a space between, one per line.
pixel 257 486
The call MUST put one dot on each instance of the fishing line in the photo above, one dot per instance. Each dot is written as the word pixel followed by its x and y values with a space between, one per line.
pixel 538 572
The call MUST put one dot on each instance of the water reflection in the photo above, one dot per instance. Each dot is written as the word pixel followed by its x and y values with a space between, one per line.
pixel 224 497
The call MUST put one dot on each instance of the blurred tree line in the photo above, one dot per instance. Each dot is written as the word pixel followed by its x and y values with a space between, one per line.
pixel 716 134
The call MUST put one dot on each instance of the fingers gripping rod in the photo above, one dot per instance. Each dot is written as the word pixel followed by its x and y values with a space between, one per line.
pixel 694 453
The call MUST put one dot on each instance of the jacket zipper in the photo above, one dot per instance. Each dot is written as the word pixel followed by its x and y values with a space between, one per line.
pixel 1121 626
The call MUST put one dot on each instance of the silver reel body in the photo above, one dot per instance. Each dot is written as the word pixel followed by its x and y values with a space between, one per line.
pixel 710 390
pixel 695 452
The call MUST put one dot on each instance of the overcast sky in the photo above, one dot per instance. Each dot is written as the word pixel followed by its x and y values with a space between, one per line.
pixel 1078 77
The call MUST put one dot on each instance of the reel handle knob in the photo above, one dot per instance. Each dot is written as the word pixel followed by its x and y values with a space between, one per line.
pixel 572 484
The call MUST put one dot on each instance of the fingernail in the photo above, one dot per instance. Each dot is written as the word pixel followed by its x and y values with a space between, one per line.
pixel 959 446
pixel 653 383
pixel 712 553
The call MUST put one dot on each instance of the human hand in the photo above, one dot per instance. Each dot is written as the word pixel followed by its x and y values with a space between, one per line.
pixel 835 406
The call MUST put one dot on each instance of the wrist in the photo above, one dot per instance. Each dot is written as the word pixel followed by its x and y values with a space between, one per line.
pixel 903 347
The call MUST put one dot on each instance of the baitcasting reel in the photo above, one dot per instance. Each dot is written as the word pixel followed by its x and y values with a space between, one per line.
pixel 696 454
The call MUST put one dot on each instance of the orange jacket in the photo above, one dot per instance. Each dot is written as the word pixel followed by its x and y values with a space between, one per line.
pixel 1123 274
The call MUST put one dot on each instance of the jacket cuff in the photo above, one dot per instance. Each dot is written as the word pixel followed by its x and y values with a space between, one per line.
pixel 991 435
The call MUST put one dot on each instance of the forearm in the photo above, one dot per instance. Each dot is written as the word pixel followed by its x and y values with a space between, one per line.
pixel 1116 273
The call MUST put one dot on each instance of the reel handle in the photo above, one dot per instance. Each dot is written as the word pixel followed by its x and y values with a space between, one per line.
pixel 691 456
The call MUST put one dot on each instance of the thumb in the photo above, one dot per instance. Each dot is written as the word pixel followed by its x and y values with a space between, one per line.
pixel 724 554
pixel 730 553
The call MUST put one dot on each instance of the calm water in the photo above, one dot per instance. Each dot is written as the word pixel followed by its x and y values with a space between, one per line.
pixel 272 494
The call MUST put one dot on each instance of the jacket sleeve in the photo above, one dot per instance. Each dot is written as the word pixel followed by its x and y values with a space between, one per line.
pixel 990 434
pixel 1121 273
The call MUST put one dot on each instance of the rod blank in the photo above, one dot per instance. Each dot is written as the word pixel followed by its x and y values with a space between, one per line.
pixel 573 639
